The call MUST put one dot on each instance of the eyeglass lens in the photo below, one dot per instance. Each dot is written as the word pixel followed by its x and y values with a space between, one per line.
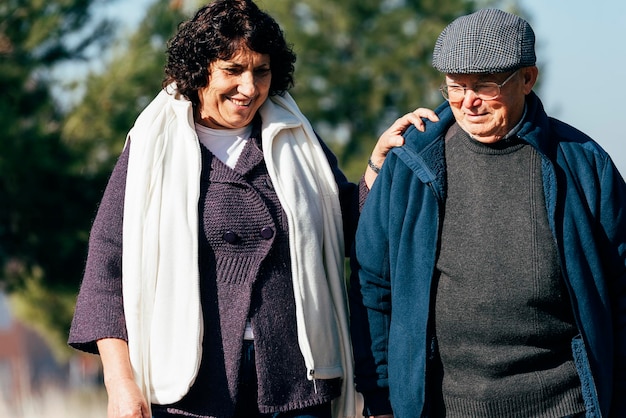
pixel 484 91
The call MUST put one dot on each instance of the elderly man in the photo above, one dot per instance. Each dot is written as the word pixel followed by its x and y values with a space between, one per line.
pixel 491 251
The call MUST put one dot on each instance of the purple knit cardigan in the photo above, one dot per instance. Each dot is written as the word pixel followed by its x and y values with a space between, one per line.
pixel 245 273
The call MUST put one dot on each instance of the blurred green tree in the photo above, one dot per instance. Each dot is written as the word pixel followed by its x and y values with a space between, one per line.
pixel 42 200
pixel 87 139
pixel 97 126
pixel 364 63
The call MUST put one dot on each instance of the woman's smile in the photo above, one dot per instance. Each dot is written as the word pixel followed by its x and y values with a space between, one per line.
pixel 237 88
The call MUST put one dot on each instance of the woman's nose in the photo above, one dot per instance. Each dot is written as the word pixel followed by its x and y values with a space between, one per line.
pixel 247 84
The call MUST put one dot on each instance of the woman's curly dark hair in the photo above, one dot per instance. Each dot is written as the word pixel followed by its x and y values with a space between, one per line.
pixel 217 31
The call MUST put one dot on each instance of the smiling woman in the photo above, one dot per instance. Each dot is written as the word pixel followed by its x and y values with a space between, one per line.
pixel 214 284
pixel 219 35
pixel 237 89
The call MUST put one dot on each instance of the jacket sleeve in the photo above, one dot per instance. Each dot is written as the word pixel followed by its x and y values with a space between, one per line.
pixel 99 311
pixel 593 248
pixel 613 220
pixel 370 299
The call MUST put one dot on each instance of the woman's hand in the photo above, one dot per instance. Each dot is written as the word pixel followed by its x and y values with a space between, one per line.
pixel 125 397
pixel 392 137
pixel 125 400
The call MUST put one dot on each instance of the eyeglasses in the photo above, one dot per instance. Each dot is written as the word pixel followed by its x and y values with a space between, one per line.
pixel 484 91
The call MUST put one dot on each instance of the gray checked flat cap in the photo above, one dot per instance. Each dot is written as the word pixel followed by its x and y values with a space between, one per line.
pixel 487 41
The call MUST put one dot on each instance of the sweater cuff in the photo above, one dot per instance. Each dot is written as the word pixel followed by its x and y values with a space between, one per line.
pixel 363 192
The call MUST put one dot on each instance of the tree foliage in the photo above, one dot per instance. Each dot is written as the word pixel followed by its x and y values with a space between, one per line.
pixel 54 164
pixel 363 63
pixel 41 198
pixel 114 97
pixel 42 202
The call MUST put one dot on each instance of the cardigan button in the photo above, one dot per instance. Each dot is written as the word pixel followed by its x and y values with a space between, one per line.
pixel 230 237
pixel 267 232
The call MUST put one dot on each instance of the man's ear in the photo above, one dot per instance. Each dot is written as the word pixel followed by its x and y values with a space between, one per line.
pixel 529 75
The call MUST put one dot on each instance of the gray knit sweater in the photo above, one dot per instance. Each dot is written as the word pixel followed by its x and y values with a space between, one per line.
pixel 503 317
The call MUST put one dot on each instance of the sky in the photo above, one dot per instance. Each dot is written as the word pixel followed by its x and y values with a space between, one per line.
pixel 581 55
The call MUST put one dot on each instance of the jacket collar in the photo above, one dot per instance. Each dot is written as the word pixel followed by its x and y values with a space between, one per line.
pixel 535 128
pixel 423 151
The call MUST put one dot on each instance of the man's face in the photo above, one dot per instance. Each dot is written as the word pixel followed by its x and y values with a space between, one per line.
pixel 488 120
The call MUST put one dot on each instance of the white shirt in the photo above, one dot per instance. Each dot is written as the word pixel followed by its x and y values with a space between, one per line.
pixel 225 144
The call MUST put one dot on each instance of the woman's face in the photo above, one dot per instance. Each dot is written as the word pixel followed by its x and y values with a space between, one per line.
pixel 236 89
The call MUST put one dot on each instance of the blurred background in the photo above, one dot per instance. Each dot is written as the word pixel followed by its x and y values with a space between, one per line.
pixel 75 74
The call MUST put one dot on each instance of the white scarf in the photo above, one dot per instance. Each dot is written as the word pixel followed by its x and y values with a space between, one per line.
pixel 160 247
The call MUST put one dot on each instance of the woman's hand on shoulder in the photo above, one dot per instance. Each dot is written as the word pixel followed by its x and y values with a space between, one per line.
pixel 392 137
